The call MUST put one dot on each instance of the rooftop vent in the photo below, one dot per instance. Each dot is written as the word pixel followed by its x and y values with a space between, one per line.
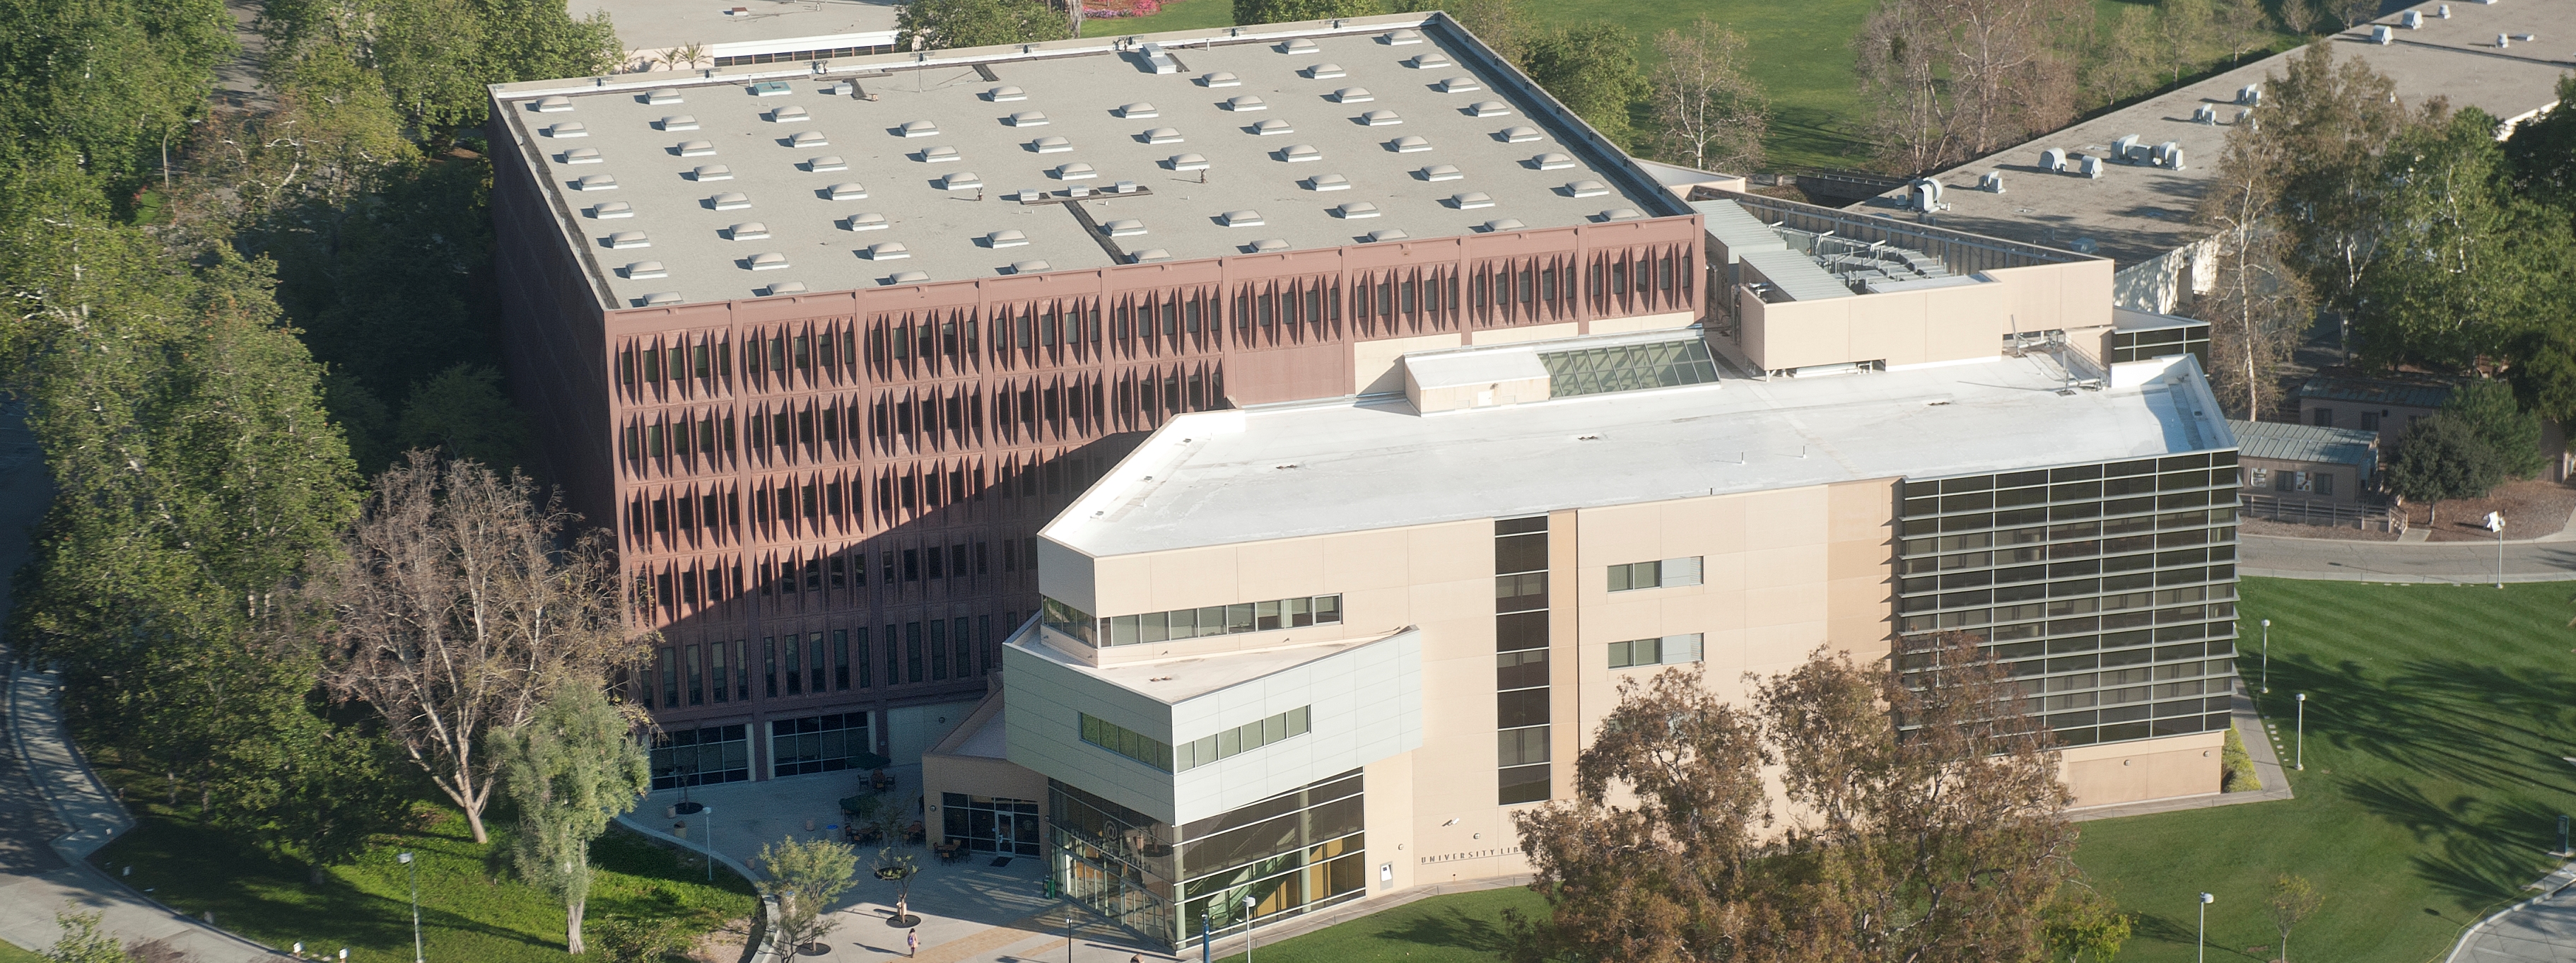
pixel 1621 214
pixel 1002 239
pixel 1552 161
pixel 1328 182
pixel 2127 149
pixel 1129 227
pixel 1325 72
pixel 660 298
pixel 711 172
pixel 645 270
pixel 1355 210
pixel 1138 111
pixel 1005 94
pixel 2205 114
pixel 1149 255
pixel 1051 145
pixel 939 155
pixel 1428 61
pixel 1353 95
pixel 748 230
pixel 1220 79
pixel 581 155
pixel 809 138
pixel 666 95
pixel 842 89
pixel 1124 187
pixel 1520 135
pixel 1489 108
pixel 887 251
pixel 730 201
pixel 1472 200
pixel 864 222
pixel 770 88
pixel 1272 126
pixel 2090 166
pixel 1245 102
pixel 1409 144
pixel 1460 85
pixel 1442 172
pixel 678 122
pixel 961 181
pixel 569 128
pixel 1162 135
pixel 786 287
pixel 1189 162
pixel 1387 234
pixel 1296 153
pixel 1267 245
pixel 908 277
pixel 1400 38
pixel 613 210
pixel 1076 171
pixel 1504 224
pixel 2412 19
pixel 623 240
pixel 917 128
pixel 1241 218
pixel 1159 62
pixel 1300 45
pixel 594 182
pixel 1587 189
pixel 826 164
pixel 1028 118
pixel 2053 159
pixel 789 115
pixel 552 105
pixel 1029 195
pixel 845 192
pixel 697 148
pixel 1029 267
pixel 1381 118
pixel 2383 35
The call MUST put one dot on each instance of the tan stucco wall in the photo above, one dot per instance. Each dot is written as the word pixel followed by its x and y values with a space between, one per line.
pixel 1929 326
pixel 974 776
pixel 2146 769
pixel 1373 367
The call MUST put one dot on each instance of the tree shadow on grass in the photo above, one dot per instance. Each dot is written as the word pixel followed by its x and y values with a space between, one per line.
pixel 2478 851
pixel 2428 720
pixel 1452 927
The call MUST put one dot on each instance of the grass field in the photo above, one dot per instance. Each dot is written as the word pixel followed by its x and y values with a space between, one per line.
pixel 472 907
pixel 2436 719
pixel 10 953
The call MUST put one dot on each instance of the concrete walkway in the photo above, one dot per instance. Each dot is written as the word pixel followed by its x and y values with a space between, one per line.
pixel 2551 559
pixel 2267 767
pixel 2538 930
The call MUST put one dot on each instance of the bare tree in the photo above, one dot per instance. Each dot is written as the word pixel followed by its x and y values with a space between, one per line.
pixel 2124 66
pixel 2292 899
pixel 1898 64
pixel 2257 303
pixel 1714 115
pixel 1959 78
pixel 455 609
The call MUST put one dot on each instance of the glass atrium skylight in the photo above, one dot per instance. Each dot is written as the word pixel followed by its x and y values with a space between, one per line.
pixel 1631 367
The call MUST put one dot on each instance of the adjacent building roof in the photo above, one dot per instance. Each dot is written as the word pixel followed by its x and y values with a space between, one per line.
pixel 2371 391
pixel 916 167
pixel 2136 212
pixel 2284 441
pixel 1222 477
pixel 729 28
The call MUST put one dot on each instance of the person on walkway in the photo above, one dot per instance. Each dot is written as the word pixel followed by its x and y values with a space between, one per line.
pixel 912 942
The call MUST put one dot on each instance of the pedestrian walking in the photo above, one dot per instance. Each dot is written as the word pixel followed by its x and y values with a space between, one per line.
pixel 912 943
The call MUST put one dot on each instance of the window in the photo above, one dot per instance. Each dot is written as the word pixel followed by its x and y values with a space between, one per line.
pixel 2370 421
pixel 1126 742
pixel 700 757
pixel 1067 620
pixel 1242 739
pixel 1669 650
pixel 1646 575
pixel 2322 417
pixel 820 744
pixel 1225 619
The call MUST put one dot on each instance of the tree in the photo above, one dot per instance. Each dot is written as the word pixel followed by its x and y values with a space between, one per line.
pixel 1287 11
pixel 571 769
pixel 620 939
pixel 83 941
pixel 2258 304
pixel 2464 263
pixel 463 414
pixel 2083 921
pixel 942 24
pixel 1591 68
pixel 1953 79
pixel 2187 27
pixel 2488 408
pixel 2542 151
pixel 1668 877
pixel 2441 458
pixel 2292 899
pixel 1506 26
pixel 804 877
pixel 1899 66
pixel 455 610
pixel 1713 114
pixel 2330 121
pixel 312 789
pixel 2124 66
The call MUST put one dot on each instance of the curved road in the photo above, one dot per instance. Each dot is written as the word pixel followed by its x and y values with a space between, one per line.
pixel 2548 559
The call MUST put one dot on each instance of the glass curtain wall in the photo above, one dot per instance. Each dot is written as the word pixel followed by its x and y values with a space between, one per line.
pixel 1291 853
pixel 2108 589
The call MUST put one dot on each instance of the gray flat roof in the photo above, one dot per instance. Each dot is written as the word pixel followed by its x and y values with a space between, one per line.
pixel 1172 681
pixel 2284 441
pixel 2137 213
pixel 1079 87
pixel 1216 478
pixel 762 25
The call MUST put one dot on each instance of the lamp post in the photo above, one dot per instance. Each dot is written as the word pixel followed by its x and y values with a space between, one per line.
pixel 2302 758
pixel 405 858
pixel 2267 655
pixel 702 809
pixel 2495 523
pixel 1248 904
pixel 2205 900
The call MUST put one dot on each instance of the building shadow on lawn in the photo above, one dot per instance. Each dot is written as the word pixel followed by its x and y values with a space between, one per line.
pixel 1453 927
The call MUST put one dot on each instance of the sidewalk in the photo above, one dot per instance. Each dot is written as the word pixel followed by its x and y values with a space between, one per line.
pixel 2267 767
pixel 2541 929
pixel 2548 559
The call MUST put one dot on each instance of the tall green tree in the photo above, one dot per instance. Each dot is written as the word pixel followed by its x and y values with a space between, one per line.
pixel 2543 151
pixel 1288 11
pixel 944 24
pixel 2464 263
pixel 1591 68
pixel 2441 458
pixel 571 769
pixel 106 81
pixel 2488 408
pixel 2258 302
pixel 804 877
pixel 463 413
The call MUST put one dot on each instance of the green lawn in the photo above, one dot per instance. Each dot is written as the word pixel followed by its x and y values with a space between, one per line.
pixel 472 908
pixel 10 953
pixel 1458 928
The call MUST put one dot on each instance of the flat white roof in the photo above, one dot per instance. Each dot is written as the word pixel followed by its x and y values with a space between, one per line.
pixel 1216 478
pixel 730 28
pixel 1172 681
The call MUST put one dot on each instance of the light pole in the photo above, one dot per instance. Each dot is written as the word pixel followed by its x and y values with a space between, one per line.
pixel 405 858
pixel 702 809
pixel 2495 523
pixel 2302 758
pixel 2205 900
pixel 2267 655
pixel 1248 904
pixel 1207 921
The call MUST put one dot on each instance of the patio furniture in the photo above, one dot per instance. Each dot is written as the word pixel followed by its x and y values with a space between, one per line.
pixel 914 833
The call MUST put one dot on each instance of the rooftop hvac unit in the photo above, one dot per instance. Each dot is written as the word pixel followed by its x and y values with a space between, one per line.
pixel 1991 182
pixel 2205 114
pixel 2245 116
pixel 2251 95
pixel 1926 193
pixel 2173 155
pixel 1156 61
pixel 2502 41
pixel 2125 149
pixel 2382 34
pixel 2443 11
pixel 2053 159
pixel 2091 166
pixel 2411 20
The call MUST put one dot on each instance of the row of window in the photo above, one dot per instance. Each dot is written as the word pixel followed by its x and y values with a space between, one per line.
pixel 1522 720
pixel 712 755
pixel 800 578
pixel 2297 482
pixel 1233 619
pixel 789 666
pixel 802 506
pixel 1659 574
pixel 2072 540
pixel 1126 742
pixel 1668 650
pixel 1241 739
